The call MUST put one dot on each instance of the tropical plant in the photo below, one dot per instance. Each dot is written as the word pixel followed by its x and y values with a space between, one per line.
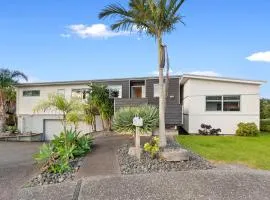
pixel 152 147
pixel 155 18
pixel 123 119
pixel 55 157
pixel 100 98
pixel 89 114
pixel 8 79
pixel 59 103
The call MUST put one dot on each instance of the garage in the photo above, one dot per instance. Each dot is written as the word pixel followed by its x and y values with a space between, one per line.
pixel 52 127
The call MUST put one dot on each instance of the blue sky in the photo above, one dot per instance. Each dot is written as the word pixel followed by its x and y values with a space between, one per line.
pixel 64 40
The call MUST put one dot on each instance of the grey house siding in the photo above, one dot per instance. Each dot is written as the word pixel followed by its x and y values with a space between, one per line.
pixel 173 115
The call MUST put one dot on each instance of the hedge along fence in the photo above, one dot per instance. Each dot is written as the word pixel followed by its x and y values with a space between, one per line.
pixel 265 125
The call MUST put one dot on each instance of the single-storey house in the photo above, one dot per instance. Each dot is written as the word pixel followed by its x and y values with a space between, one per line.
pixel 192 100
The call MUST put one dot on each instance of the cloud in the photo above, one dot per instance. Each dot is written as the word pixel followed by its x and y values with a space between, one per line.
pixel 65 35
pixel 259 57
pixel 94 31
pixel 202 73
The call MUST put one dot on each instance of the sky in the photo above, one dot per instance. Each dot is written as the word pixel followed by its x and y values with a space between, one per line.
pixel 64 40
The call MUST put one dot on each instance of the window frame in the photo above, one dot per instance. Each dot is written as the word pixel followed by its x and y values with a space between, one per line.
pixel 31 91
pixel 154 86
pixel 120 95
pixel 222 102
pixel 81 90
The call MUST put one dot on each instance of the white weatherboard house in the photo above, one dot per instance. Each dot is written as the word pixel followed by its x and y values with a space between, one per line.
pixel 191 100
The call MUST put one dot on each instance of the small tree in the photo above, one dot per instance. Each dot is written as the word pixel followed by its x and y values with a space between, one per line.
pixel 8 79
pixel 59 103
pixel 90 112
pixel 100 98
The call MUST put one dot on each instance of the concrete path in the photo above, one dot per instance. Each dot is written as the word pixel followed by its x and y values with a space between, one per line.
pixel 16 166
pixel 103 160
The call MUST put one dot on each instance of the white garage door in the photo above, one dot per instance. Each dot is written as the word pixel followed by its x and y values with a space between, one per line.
pixel 52 127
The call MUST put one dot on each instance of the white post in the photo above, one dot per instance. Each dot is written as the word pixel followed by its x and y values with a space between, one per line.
pixel 138 143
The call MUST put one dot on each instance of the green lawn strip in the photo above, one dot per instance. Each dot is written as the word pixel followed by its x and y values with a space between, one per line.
pixel 251 151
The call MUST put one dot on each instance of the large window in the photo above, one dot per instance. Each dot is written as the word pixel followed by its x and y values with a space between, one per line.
pixel 80 93
pixel 31 93
pixel 223 103
pixel 231 103
pixel 213 103
pixel 115 91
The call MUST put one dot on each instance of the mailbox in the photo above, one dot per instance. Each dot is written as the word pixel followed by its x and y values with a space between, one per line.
pixel 137 121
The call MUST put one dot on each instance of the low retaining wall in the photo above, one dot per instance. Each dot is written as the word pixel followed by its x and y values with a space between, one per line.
pixel 23 138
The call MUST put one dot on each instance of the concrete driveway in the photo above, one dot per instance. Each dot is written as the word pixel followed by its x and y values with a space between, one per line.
pixel 16 166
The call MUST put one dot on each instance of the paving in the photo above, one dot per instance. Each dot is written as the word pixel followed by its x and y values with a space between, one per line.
pixel 100 178
pixel 103 160
pixel 16 166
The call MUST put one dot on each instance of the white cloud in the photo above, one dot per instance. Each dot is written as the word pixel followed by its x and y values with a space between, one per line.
pixel 259 57
pixel 202 73
pixel 95 31
pixel 65 35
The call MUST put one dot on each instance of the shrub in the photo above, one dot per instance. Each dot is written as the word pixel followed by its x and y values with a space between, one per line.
pixel 55 156
pixel 208 130
pixel 123 119
pixel 247 129
pixel 265 125
pixel 152 147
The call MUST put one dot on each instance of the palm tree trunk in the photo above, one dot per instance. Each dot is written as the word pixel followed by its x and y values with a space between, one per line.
pixel 2 111
pixel 162 135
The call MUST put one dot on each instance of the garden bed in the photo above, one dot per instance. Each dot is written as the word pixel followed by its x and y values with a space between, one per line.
pixel 47 178
pixel 131 165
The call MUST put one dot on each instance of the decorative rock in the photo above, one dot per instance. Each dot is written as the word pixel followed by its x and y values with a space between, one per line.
pixel 173 155
pixel 132 151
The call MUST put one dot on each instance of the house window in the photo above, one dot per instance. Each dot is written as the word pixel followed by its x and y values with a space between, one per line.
pixel 31 93
pixel 80 93
pixel 156 90
pixel 115 91
pixel 61 92
pixel 231 103
pixel 213 103
pixel 223 103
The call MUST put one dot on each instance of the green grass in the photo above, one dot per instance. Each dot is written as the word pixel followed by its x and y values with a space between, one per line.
pixel 251 151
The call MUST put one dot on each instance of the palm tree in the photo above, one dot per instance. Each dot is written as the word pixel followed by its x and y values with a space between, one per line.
pixel 100 98
pixel 56 102
pixel 155 18
pixel 8 79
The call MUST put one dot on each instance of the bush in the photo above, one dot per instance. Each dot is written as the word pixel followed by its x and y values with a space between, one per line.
pixel 208 130
pixel 55 156
pixel 265 125
pixel 123 119
pixel 247 129
pixel 152 147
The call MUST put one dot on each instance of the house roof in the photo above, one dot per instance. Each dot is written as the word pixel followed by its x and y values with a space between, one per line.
pixel 186 77
pixel 182 78
pixel 85 82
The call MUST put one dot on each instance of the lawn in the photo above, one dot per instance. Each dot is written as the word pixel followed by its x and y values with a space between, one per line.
pixel 251 151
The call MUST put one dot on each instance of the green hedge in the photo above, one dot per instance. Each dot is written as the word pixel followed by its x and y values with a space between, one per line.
pixel 265 125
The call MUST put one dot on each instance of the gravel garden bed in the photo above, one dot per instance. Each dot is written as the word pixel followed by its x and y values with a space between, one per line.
pixel 47 178
pixel 131 165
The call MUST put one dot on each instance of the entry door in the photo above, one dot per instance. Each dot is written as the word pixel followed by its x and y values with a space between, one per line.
pixel 137 92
